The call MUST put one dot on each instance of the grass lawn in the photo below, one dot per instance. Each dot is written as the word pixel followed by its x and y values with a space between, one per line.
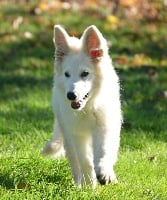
pixel 26 118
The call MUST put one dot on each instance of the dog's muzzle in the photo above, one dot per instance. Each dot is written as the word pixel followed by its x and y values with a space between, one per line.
pixel 76 104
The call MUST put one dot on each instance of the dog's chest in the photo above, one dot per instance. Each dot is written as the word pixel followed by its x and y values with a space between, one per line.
pixel 77 122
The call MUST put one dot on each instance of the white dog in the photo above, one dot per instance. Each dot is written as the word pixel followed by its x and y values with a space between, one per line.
pixel 86 103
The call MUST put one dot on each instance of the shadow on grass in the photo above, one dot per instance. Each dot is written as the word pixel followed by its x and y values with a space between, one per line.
pixel 13 86
pixel 13 52
pixel 25 116
pixel 144 102
pixel 26 64
pixel 11 184
pixel 6 182
pixel 140 41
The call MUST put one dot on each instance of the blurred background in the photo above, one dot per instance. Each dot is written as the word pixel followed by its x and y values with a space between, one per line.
pixel 136 30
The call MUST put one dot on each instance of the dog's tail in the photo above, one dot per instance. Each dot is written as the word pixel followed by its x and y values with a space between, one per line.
pixel 54 148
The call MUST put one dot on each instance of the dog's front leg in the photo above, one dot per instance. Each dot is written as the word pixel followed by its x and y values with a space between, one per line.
pixel 85 157
pixel 106 144
pixel 73 159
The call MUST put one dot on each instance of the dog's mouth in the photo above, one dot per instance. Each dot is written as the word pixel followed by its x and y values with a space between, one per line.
pixel 77 104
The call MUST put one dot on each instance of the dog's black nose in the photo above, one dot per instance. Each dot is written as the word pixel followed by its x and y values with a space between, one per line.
pixel 71 96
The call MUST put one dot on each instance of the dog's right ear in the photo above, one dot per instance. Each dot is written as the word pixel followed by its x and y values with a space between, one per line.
pixel 60 40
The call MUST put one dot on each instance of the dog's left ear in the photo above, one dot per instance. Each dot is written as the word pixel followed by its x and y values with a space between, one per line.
pixel 93 42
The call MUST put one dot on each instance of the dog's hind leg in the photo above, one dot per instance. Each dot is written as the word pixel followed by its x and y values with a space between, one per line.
pixel 55 147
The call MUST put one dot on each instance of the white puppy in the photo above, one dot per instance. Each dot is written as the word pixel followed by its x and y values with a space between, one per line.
pixel 86 103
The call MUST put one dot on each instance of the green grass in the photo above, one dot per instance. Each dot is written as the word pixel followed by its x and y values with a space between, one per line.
pixel 26 118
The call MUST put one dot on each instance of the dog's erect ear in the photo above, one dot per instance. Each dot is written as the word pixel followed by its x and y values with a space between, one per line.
pixel 92 42
pixel 60 41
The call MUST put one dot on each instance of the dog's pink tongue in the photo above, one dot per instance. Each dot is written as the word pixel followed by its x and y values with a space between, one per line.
pixel 75 104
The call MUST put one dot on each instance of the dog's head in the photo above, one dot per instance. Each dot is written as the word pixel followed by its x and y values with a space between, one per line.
pixel 77 62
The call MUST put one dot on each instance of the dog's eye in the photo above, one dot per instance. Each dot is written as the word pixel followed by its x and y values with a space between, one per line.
pixel 84 74
pixel 67 74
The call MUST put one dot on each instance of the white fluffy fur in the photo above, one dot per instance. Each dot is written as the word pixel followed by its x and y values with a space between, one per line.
pixel 89 134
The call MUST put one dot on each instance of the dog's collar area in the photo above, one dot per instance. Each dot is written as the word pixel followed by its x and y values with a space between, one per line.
pixel 77 104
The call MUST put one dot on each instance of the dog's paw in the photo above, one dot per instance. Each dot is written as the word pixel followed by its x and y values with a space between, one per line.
pixel 105 179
